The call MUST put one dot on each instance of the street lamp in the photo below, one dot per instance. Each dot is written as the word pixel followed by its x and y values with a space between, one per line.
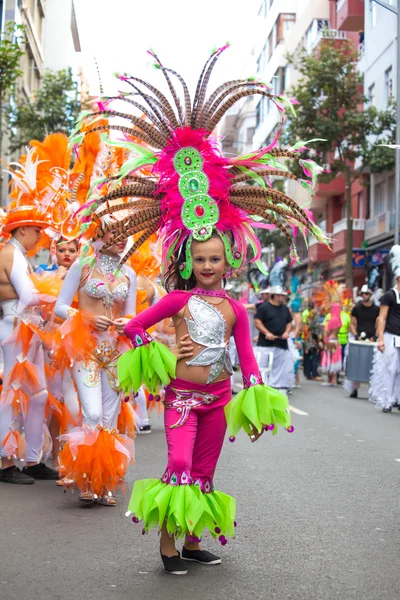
pixel 396 11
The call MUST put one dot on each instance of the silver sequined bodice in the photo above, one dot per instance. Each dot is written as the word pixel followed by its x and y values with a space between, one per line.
pixel 97 288
pixel 208 328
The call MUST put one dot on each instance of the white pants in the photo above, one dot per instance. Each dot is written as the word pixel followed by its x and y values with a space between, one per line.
pixel 141 402
pixel 385 378
pixel 62 387
pixel 276 366
pixel 33 422
pixel 99 402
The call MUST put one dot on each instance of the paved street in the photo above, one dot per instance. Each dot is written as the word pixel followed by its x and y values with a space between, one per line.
pixel 318 519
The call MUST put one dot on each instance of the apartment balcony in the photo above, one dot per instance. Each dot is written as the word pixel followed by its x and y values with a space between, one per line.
pixel 380 226
pixel 339 235
pixel 318 33
pixel 318 252
pixel 350 15
pixel 336 187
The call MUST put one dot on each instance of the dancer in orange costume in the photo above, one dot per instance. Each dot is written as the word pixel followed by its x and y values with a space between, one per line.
pixel 24 395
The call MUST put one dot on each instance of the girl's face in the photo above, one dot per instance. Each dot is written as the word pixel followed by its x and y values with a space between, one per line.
pixel 117 248
pixel 66 253
pixel 209 263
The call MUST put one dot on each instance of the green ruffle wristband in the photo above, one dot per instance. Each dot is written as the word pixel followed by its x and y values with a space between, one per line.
pixel 152 364
pixel 185 509
pixel 256 408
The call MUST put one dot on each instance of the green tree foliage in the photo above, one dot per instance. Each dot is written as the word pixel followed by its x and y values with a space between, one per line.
pixel 53 108
pixel 333 107
pixel 12 44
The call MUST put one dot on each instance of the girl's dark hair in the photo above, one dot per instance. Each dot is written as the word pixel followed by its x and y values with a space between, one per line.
pixel 62 240
pixel 173 279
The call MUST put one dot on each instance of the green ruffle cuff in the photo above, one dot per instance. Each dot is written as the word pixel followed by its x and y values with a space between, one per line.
pixel 151 364
pixel 185 509
pixel 256 408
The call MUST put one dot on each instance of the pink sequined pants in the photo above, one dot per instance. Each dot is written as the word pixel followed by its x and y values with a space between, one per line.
pixel 195 428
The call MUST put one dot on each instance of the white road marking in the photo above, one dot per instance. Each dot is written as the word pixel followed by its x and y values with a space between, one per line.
pixel 397 459
pixel 297 411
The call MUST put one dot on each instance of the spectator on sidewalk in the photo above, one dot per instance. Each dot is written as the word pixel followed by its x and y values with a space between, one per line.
pixel 274 322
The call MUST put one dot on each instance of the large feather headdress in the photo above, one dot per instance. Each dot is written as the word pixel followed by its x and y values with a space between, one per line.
pixel 190 190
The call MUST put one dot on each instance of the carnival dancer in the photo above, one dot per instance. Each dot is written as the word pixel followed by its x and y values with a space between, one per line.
pixel 331 361
pixel 274 323
pixel 95 456
pixel 49 279
pixel 200 203
pixel 311 338
pixel 24 396
pixel 363 327
pixel 385 378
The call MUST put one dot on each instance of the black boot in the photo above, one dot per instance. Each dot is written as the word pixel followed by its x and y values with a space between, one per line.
pixel 354 394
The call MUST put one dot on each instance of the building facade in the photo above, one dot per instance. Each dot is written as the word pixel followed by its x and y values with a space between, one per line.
pixel 378 63
pixel 51 43
pixel 287 26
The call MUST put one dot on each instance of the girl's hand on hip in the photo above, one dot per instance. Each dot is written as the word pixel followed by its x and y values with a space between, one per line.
pixel 184 347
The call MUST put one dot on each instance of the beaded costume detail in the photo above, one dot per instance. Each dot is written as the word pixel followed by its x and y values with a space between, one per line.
pixel 207 328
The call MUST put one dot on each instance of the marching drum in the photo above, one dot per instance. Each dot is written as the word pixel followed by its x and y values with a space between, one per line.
pixel 359 361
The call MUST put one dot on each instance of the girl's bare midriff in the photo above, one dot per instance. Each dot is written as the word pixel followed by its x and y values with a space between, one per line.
pixel 200 374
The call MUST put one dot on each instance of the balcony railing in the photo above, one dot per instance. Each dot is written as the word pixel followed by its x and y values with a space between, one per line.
pixel 380 224
pixel 358 225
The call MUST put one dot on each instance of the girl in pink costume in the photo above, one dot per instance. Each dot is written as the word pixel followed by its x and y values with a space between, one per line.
pixel 331 362
pixel 176 182
pixel 183 502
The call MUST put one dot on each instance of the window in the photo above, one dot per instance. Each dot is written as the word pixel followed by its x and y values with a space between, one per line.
pixel 360 205
pixel 274 36
pixel 371 94
pixel 379 198
pixel 372 14
pixel 31 72
pixel 388 83
pixel 35 10
pixel 391 195
pixel 285 23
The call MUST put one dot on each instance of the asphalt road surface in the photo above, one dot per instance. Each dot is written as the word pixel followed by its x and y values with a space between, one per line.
pixel 318 519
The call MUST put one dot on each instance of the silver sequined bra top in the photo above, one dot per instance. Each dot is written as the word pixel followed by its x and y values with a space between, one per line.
pixel 207 327
pixel 96 288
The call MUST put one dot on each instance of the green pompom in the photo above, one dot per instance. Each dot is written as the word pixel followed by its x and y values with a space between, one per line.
pixel 254 408
pixel 151 364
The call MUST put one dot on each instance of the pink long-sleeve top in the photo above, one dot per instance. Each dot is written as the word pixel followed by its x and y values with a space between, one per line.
pixel 174 302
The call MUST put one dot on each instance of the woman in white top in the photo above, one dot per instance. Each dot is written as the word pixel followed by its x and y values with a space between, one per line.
pixel 95 456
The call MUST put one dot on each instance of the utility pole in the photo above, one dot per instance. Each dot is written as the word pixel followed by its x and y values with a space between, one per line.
pixel 396 11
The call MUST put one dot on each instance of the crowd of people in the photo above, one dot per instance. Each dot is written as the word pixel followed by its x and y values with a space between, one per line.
pixel 91 340
pixel 334 336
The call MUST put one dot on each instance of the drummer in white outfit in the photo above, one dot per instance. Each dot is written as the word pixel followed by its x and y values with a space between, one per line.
pixel 385 380
pixel 274 322
pixel 362 327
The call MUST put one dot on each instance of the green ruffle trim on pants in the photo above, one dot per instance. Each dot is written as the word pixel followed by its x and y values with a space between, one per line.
pixel 185 509
pixel 151 364
pixel 256 408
